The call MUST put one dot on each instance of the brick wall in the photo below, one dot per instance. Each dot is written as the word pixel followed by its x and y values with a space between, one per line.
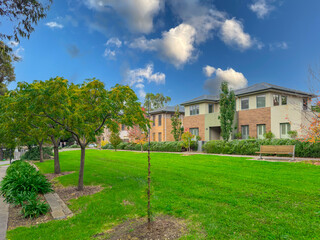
pixel 253 117
pixel 196 121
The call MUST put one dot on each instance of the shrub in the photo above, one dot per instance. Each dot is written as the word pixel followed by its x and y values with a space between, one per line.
pixel 75 146
pixel 34 153
pixel 251 146
pixel 269 135
pixel 21 186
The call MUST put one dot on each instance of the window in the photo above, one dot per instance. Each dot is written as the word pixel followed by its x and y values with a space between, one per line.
pixel 283 100
pixel 159 120
pixel 210 108
pixel 194 131
pixel 153 137
pixel 123 127
pixel 284 129
pixel 154 120
pixel 305 104
pixel 261 130
pixel 159 137
pixel 261 101
pixel 194 110
pixel 276 100
pixel 245 131
pixel 244 103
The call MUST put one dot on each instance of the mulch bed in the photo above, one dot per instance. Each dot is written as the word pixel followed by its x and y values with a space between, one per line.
pixel 16 219
pixel 162 228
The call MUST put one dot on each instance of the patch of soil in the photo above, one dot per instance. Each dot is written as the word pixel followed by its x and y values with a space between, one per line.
pixel 313 162
pixel 16 218
pixel 51 176
pixel 162 228
pixel 67 193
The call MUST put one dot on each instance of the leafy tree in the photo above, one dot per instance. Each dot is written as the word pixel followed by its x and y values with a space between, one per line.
pixel 177 128
pixel 84 110
pixel 155 101
pixel 227 110
pixel 186 140
pixel 115 139
pixel 268 135
pixel 138 136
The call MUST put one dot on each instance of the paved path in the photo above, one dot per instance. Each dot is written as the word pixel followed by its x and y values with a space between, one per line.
pixel 4 209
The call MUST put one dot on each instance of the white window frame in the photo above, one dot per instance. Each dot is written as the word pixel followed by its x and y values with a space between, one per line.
pixel 243 99
pixel 261 136
pixel 245 136
pixel 279 99
pixel 210 104
pixel 284 96
pixel 259 96
pixel 288 128
pixel 194 110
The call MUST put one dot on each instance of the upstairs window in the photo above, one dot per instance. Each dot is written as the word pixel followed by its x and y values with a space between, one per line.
pixel 194 131
pixel 154 120
pixel 210 108
pixel 194 110
pixel 261 101
pixel 283 100
pixel 244 103
pixel 159 120
pixel 276 100
pixel 305 104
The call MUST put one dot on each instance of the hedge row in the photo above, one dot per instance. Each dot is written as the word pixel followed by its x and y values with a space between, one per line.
pixel 251 146
pixel 34 153
pixel 154 146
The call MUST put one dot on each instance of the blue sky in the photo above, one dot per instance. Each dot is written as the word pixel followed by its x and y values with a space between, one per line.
pixel 182 49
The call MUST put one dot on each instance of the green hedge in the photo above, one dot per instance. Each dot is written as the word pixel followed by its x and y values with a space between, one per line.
pixel 34 153
pixel 251 146
pixel 154 146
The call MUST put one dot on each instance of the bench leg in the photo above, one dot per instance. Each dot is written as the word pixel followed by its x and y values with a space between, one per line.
pixel 260 156
pixel 293 158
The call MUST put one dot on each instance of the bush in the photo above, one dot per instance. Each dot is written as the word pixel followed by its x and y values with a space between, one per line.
pixel 75 146
pixel 251 146
pixel 34 153
pixel 21 186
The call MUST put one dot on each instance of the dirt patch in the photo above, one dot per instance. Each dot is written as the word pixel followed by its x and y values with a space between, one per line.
pixel 67 193
pixel 51 176
pixel 313 162
pixel 162 228
pixel 16 219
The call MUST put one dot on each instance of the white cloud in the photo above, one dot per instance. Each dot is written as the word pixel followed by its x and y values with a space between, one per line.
pixel 232 34
pixel 278 45
pixel 18 52
pixel 261 7
pixel 138 77
pixel 54 25
pixel 13 43
pixel 137 14
pixel 236 80
pixel 208 70
pixel 109 54
pixel 114 42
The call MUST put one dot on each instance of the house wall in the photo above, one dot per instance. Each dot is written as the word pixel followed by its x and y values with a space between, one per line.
pixel 195 121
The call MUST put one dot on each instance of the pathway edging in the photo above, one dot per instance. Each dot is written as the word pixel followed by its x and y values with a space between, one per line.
pixel 4 209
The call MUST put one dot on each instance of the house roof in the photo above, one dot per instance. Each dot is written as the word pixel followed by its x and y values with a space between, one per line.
pixel 167 109
pixel 259 87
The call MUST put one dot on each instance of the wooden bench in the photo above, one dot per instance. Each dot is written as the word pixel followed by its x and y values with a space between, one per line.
pixel 279 149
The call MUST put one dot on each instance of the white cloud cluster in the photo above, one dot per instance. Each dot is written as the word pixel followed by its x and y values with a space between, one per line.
pixel 13 43
pixel 261 7
pixel 138 14
pixel 208 70
pixel 138 77
pixel 54 25
pixel 111 45
pixel 236 80
pixel 278 45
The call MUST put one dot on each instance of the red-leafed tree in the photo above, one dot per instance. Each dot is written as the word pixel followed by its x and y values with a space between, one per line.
pixel 137 136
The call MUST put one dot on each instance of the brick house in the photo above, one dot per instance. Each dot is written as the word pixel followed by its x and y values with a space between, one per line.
pixel 260 108
pixel 161 123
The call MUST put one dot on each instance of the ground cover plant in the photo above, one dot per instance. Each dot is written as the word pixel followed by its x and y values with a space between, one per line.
pixel 218 197
pixel 21 187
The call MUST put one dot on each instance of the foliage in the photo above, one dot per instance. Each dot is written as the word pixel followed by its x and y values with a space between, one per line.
pixel 177 128
pixel 251 146
pixel 137 136
pixel 34 153
pixel 75 146
pixel 246 199
pixel 33 208
pixel 115 140
pixel 227 110
pixel 293 134
pixel 268 135
pixel 238 135
pixel 186 140
pixel 155 101
pixel 313 130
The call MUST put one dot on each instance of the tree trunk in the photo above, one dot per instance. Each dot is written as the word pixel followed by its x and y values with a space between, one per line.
pixel 41 151
pixel 81 171
pixel 55 142
pixel 141 147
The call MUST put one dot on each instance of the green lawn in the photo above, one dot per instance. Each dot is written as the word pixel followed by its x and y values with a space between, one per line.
pixel 220 197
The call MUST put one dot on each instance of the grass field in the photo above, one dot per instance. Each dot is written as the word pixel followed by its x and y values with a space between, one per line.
pixel 219 197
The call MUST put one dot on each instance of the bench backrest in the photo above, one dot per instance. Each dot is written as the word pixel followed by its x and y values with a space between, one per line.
pixel 278 148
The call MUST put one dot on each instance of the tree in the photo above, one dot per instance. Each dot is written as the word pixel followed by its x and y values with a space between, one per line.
pixel 177 128
pixel 115 139
pixel 155 101
pixel 186 140
pixel 227 110
pixel 84 110
pixel 138 136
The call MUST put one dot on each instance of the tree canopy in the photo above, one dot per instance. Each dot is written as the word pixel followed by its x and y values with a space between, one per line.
pixel 155 101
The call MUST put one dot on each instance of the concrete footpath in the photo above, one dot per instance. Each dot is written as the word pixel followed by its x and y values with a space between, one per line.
pixel 4 209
